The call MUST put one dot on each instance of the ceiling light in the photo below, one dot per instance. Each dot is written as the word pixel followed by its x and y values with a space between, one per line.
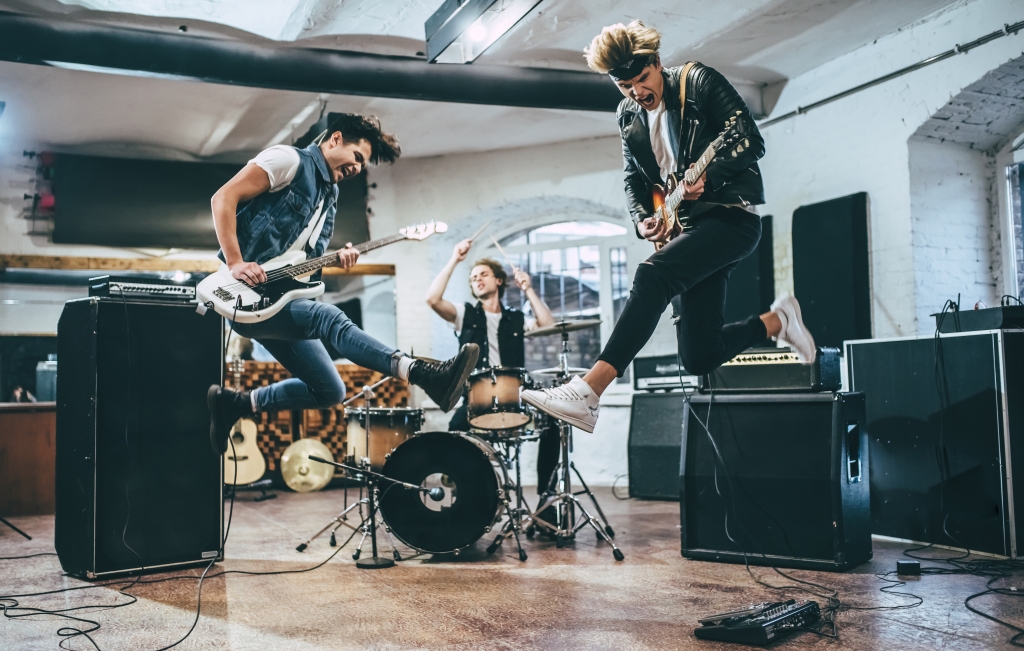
pixel 461 30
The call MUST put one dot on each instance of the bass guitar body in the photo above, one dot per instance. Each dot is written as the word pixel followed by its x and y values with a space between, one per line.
pixel 233 299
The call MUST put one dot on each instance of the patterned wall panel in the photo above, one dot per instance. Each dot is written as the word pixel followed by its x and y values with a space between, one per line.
pixel 277 430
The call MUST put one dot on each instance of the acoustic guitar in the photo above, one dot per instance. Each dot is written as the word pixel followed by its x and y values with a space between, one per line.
pixel 243 462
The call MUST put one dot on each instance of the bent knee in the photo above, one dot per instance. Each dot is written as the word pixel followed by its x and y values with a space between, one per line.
pixel 329 395
pixel 699 362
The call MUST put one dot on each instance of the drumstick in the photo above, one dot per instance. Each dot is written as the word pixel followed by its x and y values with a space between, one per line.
pixel 482 229
pixel 502 252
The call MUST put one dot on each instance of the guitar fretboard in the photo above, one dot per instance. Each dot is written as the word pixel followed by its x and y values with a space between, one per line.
pixel 331 259
pixel 691 175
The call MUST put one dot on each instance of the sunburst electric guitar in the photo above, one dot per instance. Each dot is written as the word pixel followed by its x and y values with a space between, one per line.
pixel 667 197
pixel 239 302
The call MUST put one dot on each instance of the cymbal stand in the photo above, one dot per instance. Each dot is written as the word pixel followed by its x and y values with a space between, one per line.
pixel 561 494
pixel 516 515
pixel 368 525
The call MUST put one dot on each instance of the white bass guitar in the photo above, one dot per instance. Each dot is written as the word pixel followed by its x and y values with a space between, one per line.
pixel 242 303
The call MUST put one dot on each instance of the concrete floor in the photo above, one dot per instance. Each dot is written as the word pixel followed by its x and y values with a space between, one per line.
pixel 572 598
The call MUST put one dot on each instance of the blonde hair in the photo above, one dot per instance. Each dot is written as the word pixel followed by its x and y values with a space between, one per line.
pixel 619 44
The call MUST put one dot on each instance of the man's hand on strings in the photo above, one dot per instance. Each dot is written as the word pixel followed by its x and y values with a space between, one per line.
pixel 249 273
pixel 653 229
pixel 347 257
pixel 692 192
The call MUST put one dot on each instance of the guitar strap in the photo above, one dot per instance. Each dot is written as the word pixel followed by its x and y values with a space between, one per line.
pixel 683 79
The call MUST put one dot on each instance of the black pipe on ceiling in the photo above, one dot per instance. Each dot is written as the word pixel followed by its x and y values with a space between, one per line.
pixel 36 40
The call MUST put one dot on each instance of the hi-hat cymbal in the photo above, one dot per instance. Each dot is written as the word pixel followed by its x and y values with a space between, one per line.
pixel 554 370
pixel 564 326
pixel 299 473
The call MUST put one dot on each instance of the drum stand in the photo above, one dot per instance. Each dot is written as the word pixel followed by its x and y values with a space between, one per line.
pixel 368 525
pixel 561 495
pixel 520 512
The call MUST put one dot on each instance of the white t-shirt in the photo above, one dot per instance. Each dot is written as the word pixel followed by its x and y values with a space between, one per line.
pixel 493 319
pixel 661 140
pixel 281 163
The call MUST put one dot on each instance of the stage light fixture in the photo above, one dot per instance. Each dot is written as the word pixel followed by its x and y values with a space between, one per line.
pixel 461 30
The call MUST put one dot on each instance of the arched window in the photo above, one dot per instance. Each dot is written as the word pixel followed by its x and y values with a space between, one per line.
pixel 578 268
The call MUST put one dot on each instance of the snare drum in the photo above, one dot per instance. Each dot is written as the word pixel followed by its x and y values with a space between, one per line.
pixel 389 428
pixel 493 402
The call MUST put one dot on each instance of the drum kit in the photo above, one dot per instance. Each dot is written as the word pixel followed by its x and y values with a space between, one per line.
pixel 440 492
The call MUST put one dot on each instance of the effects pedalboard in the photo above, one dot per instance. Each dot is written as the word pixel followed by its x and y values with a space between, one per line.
pixel 761 624
pixel 142 288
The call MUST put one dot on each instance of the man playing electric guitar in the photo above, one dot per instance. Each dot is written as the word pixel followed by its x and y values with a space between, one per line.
pixel 284 200
pixel 691 269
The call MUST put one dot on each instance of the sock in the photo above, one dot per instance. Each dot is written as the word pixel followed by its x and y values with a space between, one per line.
pixel 252 400
pixel 401 367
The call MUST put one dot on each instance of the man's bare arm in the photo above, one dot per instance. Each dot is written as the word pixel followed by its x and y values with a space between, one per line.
pixel 250 182
pixel 435 294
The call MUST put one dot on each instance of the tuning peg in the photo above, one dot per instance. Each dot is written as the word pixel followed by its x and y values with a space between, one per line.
pixel 734 153
pixel 746 142
pixel 739 149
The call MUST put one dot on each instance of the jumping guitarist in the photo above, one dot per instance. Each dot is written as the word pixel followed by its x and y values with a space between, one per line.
pixel 497 329
pixel 663 138
pixel 284 200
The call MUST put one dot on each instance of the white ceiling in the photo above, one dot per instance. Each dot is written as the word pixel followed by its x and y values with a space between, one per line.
pixel 754 42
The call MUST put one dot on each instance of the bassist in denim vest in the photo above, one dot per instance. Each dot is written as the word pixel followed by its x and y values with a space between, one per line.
pixel 285 200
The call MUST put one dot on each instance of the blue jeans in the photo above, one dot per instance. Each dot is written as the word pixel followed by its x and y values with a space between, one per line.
pixel 296 336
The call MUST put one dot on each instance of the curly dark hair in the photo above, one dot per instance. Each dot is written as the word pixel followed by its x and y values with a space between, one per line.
pixel 353 127
pixel 496 269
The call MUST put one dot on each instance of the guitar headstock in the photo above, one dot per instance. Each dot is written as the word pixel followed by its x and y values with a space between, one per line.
pixel 733 137
pixel 423 231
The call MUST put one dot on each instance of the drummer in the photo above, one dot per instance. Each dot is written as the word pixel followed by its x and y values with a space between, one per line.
pixel 497 329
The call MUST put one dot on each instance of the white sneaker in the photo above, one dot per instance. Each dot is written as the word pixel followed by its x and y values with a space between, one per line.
pixel 794 332
pixel 574 402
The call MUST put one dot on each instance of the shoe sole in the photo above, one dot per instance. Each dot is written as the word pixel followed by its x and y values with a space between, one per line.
pixel 455 390
pixel 575 422
pixel 211 404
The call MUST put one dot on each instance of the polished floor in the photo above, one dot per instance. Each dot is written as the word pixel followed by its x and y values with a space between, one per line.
pixel 578 597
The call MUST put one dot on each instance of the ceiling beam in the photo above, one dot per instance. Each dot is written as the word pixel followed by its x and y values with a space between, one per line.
pixel 42 40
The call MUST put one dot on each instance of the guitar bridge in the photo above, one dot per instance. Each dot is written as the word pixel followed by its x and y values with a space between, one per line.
pixel 223 294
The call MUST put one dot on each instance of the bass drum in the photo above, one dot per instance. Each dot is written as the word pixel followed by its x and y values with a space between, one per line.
pixel 474 484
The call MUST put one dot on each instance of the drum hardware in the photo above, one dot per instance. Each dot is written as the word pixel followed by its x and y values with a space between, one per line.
pixel 361 470
pixel 561 494
pixel 555 370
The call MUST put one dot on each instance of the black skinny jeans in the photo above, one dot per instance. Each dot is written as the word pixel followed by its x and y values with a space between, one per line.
pixel 694 267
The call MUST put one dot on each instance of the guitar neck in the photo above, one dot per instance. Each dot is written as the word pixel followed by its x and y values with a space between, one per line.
pixel 691 175
pixel 331 259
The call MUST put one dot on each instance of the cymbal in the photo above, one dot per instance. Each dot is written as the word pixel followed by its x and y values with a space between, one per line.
pixel 299 473
pixel 554 370
pixel 564 326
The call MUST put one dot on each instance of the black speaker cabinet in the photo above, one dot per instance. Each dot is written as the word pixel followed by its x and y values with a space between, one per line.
pixel 790 473
pixel 655 433
pixel 138 487
pixel 946 419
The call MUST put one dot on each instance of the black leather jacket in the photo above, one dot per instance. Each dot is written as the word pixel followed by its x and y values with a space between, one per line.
pixel 710 101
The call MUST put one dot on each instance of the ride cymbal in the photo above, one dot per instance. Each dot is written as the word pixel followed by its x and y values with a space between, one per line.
pixel 299 473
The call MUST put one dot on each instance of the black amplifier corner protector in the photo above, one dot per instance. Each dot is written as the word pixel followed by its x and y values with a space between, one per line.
pixel 775 370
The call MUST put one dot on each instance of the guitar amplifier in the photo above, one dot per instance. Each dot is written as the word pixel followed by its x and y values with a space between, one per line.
pixel 660 373
pixel 775 370
pixel 138 487
pixel 142 288
pixel 784 483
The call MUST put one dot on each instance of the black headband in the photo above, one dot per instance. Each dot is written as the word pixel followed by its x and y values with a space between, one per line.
pixel 631 69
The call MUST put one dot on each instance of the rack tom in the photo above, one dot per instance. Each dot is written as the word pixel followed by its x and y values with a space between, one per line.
pixel 389 428
pixel 493 402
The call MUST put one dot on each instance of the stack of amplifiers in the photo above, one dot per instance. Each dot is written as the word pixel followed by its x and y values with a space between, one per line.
pixel 138 487
pixel 946 423
pixel 775 370
pixel 789 471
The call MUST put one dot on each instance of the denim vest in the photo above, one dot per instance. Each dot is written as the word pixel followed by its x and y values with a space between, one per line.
pixel 267 225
